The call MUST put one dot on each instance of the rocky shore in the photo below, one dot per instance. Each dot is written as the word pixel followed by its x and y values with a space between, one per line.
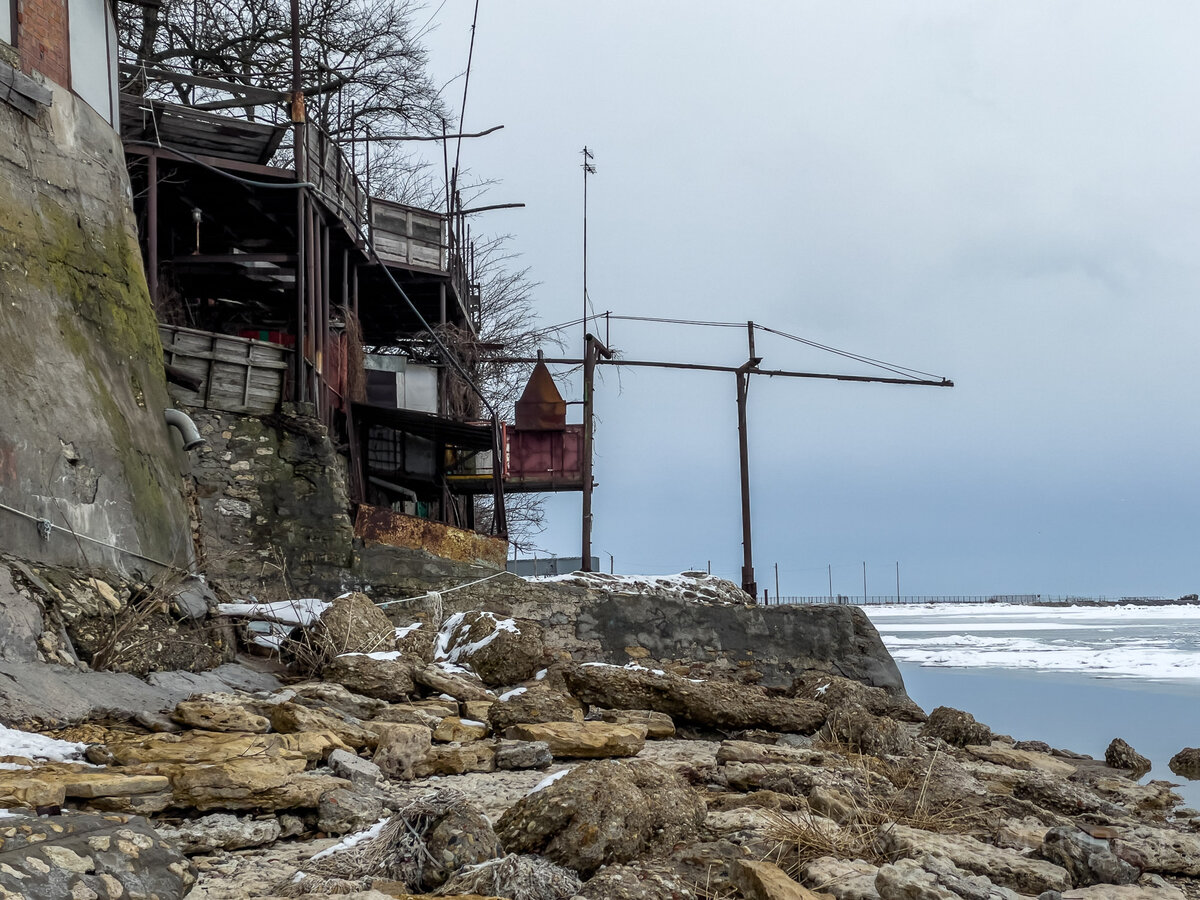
pixel 431 749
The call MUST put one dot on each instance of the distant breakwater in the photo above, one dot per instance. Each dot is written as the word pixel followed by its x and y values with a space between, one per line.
pixel 1015 599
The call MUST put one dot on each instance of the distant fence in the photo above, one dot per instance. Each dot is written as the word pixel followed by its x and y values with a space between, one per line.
pixel 1019 599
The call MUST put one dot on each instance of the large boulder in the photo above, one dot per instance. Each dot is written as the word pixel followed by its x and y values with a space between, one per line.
pixel 292 718
pixel 533 704
pixel 1186 763
pixel 81 855
pixel 835 691
pixel 400 748
pixel 382 676
pixel 603 813
pixel 1120 755
pixel 216 712
pixel 864 732
pixel 1089 860
pixel 956 727
pixel 500 650
pixel 351 624
pixel 714 704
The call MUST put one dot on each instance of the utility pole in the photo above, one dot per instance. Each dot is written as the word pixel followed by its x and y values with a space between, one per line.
pixel 592 351
pixel 588 169
pixel 830 566
pixel 776 582
pixel 743 387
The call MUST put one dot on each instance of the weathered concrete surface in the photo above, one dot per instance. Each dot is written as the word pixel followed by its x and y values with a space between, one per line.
pixel 770 644
pixel 36 694
pixel 82 435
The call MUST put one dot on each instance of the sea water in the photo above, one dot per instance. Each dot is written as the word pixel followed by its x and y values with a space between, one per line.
pixel 1074 677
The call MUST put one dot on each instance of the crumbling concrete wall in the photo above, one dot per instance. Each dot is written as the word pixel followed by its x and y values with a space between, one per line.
pixel 83 442
pixel 764 644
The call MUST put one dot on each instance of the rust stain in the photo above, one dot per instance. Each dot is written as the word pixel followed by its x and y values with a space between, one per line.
pixel 374 525
pixel 541 407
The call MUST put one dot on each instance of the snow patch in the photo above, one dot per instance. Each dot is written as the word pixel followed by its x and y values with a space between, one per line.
pixel 515 692
pixel 351 840
pixel 386 655
pixel 288 612
pixel 38 747
pixel 407 630
pixel 547 781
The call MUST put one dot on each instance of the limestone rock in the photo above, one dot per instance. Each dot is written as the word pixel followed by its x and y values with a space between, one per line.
pixel 205 747
pixel 379 677
pixel 343 811
pixel 762 880
pixel 220 831
pixel 362 773
pixel 1186 763
pixel 26 790
pixel 864 732
pixel 533 704
pixel 845 879
pixel 1061 796
pixel 710 703
pixel 250 783
pixel 500 650
pixel 400 748
pixel 408 714
pixel 453 684
pixel 835 691
pixel 292 718
pixel 338 697
pixel 906 880
pixel 476 709
pixel 1159 850
pixel 352 624
pixel 415 641
pixel 959 883
pixel 456 759
pixel 603 813
pixel 1125 892
pixel 1120 755
pixel 523 755
pixel 79 855
pixel 452 729
pixel 1155 796
pixel 583 740
pixel 659 726
pixel 1089 860
pixel 956 727
pixel 641 880
pixel 212 714
pixel 1004 867
pixel 1024 760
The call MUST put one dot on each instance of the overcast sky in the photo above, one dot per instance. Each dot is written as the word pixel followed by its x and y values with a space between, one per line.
pixel 1006 194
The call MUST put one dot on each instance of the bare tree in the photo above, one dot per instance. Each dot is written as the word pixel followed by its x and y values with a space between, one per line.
pixel 363 66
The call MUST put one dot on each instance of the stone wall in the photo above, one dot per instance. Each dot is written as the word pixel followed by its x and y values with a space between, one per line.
pixel 83 442
pixel 273 514
pixel 765 644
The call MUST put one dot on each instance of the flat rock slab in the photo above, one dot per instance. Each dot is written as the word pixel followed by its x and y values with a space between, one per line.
pixel 80 855
pixel 57 696
pixel 583 740
pixel 1004 867
pixel 1026 760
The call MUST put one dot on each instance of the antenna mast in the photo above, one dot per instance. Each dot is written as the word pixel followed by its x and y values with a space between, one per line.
pixel 588 169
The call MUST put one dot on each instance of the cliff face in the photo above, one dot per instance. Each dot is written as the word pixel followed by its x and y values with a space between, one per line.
pixel 83 442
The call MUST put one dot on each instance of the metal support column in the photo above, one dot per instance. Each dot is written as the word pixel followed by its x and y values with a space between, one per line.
pixel 152 226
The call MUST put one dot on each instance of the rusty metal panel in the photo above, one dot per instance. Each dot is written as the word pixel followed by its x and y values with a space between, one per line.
pixel 541 407
pixel 376 525
pixel 553 455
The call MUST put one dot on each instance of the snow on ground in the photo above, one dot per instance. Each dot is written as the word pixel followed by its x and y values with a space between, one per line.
pixel 38 747
pixel 698 587
pixel 352 840
pixel 287 612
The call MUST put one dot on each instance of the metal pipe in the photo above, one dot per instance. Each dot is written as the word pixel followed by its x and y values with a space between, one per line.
pixel 187 428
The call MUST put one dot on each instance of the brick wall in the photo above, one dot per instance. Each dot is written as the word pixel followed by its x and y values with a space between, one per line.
pixel 43 38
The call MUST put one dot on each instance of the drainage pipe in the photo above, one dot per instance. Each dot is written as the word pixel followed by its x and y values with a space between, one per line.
pixel 187 428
